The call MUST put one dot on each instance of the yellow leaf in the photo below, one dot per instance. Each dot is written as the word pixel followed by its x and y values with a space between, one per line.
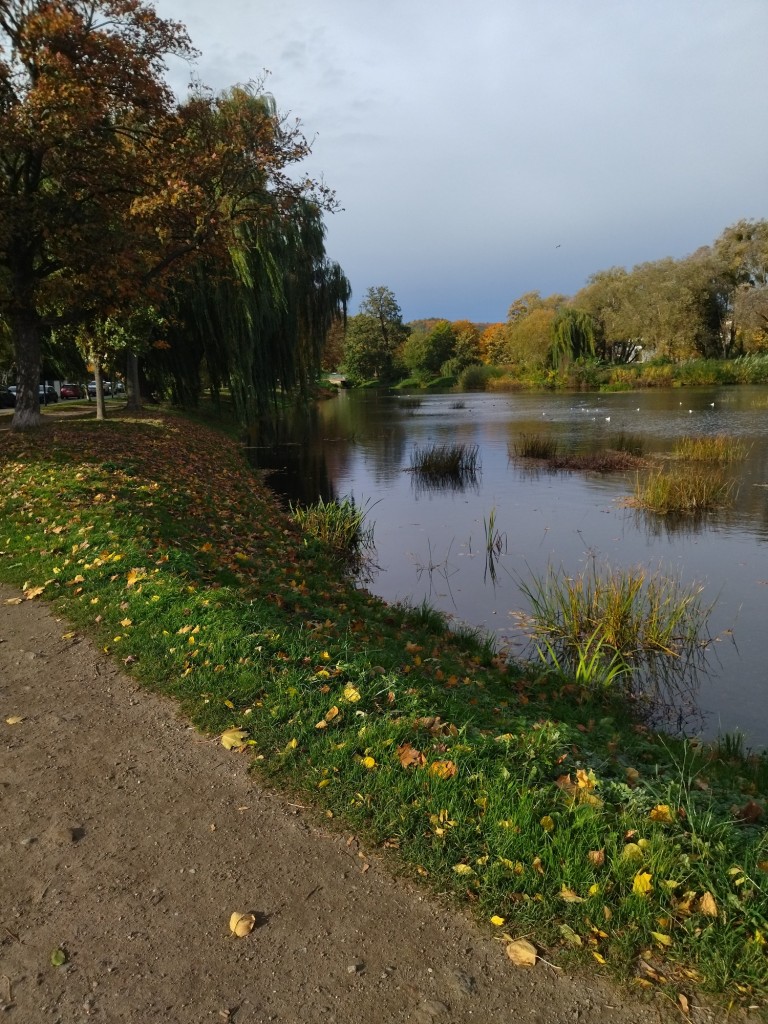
pixel 443 769
pixel 707 905
pixel 322 724
pixel 585 780
pixel 241 924
pixel 662 814
pixel 291 744
pixel 229 704
pixel 569 895
pixel 233 739
pixel 600 959
pixel 133 577
pixel 351 694
pixel 14 720
pixel 570 936
pixel 463 869
pixel 126 622
pixel 331 713
pixel 641 885
pixel 368 762
pixel 662 939
pixel 537 865
pixel 323 783
pixel 33 592
pixel 497 921
pixel 14 600
pixel 547 823
pixel 632 852
pixel 522 953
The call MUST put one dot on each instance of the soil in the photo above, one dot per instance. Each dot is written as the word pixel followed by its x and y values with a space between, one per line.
pixel 128 839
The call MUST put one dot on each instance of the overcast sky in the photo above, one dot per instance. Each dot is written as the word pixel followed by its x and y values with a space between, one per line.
pixel 484 149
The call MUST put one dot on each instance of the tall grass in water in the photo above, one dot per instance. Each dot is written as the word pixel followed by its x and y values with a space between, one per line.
pixel 718 448
pixel 446 461
pixel 533 446
pixel 604 620
pixel 689 493
pixel 340 525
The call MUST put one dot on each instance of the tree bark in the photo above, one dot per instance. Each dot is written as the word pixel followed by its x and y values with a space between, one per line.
pixel 26 330
pixel 132 386
pixel 96 360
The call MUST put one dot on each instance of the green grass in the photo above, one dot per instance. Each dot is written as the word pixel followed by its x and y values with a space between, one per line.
pixel 523 793
pixel 340 525
pixel 670 492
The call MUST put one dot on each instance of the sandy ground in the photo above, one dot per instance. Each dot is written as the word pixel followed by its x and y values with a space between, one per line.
pixel 127 840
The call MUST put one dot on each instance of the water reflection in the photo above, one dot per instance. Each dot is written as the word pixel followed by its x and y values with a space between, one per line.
pixel 430 541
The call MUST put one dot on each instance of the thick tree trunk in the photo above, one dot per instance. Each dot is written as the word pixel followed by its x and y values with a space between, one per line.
pixel 132 386
pixel 26 329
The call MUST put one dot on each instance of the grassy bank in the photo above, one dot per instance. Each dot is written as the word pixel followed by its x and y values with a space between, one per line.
pixel 548 809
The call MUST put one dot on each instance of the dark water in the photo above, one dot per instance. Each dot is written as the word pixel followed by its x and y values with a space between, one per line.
pixel 430 543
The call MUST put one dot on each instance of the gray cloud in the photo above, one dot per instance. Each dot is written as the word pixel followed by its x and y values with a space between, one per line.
pixel 466 141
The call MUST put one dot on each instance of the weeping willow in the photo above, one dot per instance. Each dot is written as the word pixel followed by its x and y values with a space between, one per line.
pixel 573 336
pixel 258 329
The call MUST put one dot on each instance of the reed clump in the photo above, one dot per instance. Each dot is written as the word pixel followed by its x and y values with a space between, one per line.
pixel 691 493
pixel 446 462
pixel 340 525
pixel 534 446
pixel 719 448
pixel 600 622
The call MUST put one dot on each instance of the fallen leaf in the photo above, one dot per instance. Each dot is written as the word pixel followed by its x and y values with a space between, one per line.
pixel 662 813
pixel 569 895
pixel 596 858
pixel 683 1001
pixel 14 720
pixel 58 957
pixel 641 885
pixel 351 694
pixel 463 869
pixel 241 924
pixel 33 592
pixel 126 622
pixel 522 953
pixel 547 823
pixel 443 769
pixel 14 600
pixel 409 756
pixel 233 739
pixel 497 921
pixel 662 939
pixel 368 762
pixel 750 813
pixel 570 936
pixel 707 905
pixel 331 713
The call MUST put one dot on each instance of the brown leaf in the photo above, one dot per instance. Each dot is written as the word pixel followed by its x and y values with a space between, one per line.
pixel 522 953
pixel 750 813
pixel 409 756
pixel 443 769
pixel 596 858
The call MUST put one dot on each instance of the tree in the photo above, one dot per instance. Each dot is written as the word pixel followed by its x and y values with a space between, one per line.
pixel 493 344
pixel 108 188
pixel 374 335
pixel 425 351
pixel 573 336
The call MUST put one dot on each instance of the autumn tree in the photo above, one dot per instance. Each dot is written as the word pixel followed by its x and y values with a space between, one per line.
pixel 374 335
pixel 109 187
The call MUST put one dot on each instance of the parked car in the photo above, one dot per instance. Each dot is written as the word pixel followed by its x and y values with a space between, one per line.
pixel 7 398
pixel 106 388
pixel 48 394
pixel 71 391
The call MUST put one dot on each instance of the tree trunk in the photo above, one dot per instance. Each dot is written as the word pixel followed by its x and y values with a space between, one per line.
pixel 132 386
pixel 26 329
pixel 96 360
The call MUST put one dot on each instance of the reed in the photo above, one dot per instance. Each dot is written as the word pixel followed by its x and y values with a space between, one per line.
pixel 438 462
pixel 604 619
pixel 689 493
pixel 534 446
pixel 339 525
pixel 718 448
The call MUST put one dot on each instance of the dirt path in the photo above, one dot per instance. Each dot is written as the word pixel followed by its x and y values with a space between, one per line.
pixel 126 840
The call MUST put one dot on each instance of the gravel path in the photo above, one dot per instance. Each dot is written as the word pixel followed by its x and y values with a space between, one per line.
pixel 127 840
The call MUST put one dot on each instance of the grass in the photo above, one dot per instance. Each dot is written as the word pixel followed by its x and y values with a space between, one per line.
pixel 718 448
pixel 533 446
pixel 339 525
pixel 670 492
pixel 526 795
pixel 446 461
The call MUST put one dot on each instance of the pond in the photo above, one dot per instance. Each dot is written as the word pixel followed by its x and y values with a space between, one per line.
pixel 430 543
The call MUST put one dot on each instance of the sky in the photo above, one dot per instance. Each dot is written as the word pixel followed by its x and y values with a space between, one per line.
pixel 480 150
